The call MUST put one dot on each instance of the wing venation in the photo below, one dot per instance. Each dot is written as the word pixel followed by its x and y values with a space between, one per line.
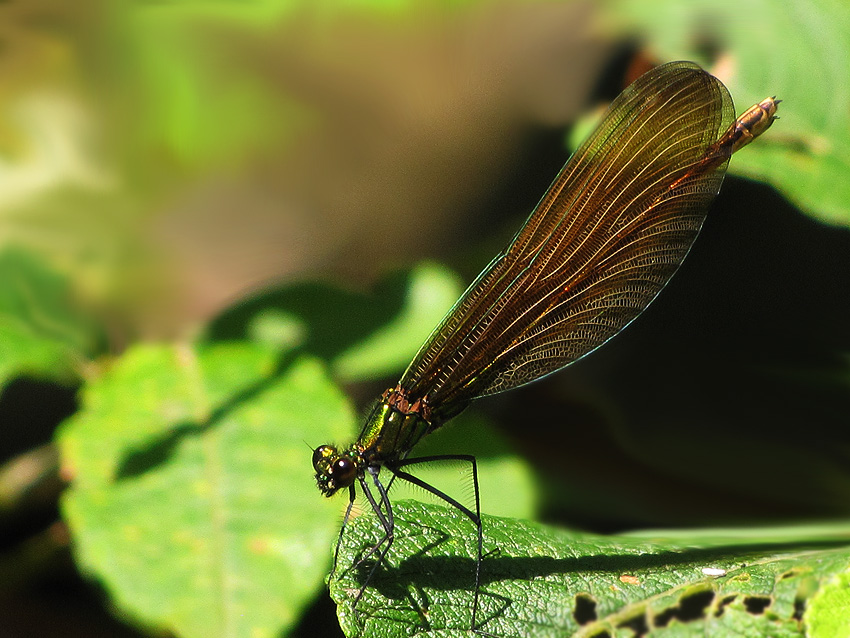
pixel 605 238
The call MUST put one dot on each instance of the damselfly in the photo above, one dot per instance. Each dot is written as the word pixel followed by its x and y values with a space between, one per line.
pixel 606 237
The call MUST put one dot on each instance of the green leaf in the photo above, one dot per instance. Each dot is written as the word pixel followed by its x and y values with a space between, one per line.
pixel 191 498
pixel 42 333
pixel 430 292
pixel 806 154
pixel 539 581
pixel 828 614
pixel 361 336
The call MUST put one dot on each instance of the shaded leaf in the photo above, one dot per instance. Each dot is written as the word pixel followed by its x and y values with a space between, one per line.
pixel 42 332
pixel 431 290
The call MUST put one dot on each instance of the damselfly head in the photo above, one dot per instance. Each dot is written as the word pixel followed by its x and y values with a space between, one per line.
pixel 334 470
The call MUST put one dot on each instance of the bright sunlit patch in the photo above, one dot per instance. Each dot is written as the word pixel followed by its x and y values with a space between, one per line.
pixel 56 130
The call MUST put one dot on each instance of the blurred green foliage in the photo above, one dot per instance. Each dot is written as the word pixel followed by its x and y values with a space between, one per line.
pixel 796 52
pixel 43 333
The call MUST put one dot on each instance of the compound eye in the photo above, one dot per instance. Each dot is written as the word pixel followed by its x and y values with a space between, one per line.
pixel 321 454
pixel 344 472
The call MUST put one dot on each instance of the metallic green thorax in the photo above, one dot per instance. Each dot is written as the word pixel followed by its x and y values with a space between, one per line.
pixel 392 428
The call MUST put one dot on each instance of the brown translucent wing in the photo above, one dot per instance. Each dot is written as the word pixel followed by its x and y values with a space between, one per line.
pixel 607 236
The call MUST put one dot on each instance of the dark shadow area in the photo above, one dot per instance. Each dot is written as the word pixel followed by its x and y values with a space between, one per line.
pixel 799 608
pixel 159 450
pixel 57 601
pixel 319 620
pixel 757 604
pixel 30 410
pixel 637 625
pixel 691 607
pixel 584 610
pixel 42 593
pixel 726 401
pixel 723 604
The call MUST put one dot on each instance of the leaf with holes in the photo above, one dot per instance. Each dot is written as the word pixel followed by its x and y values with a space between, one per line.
pixel 538 581
pixel 190 498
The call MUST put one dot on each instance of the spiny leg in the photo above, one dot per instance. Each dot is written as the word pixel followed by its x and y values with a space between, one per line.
pixel 387 521
pixel 475 516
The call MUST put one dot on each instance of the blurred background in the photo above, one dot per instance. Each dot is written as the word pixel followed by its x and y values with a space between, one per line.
pixel 161 162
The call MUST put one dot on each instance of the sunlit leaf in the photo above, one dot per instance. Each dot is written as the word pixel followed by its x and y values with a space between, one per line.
pixel 807 154
pixel 191 497
pixel 539 581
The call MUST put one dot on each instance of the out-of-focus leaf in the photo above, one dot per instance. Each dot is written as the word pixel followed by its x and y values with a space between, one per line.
pixel 42 333
pixel 205 112
pixel 538 581
pixel 798 52
pixel 506 481
pixel 192 499
pixel 362 336
pixel 828 613
pixel 431 291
